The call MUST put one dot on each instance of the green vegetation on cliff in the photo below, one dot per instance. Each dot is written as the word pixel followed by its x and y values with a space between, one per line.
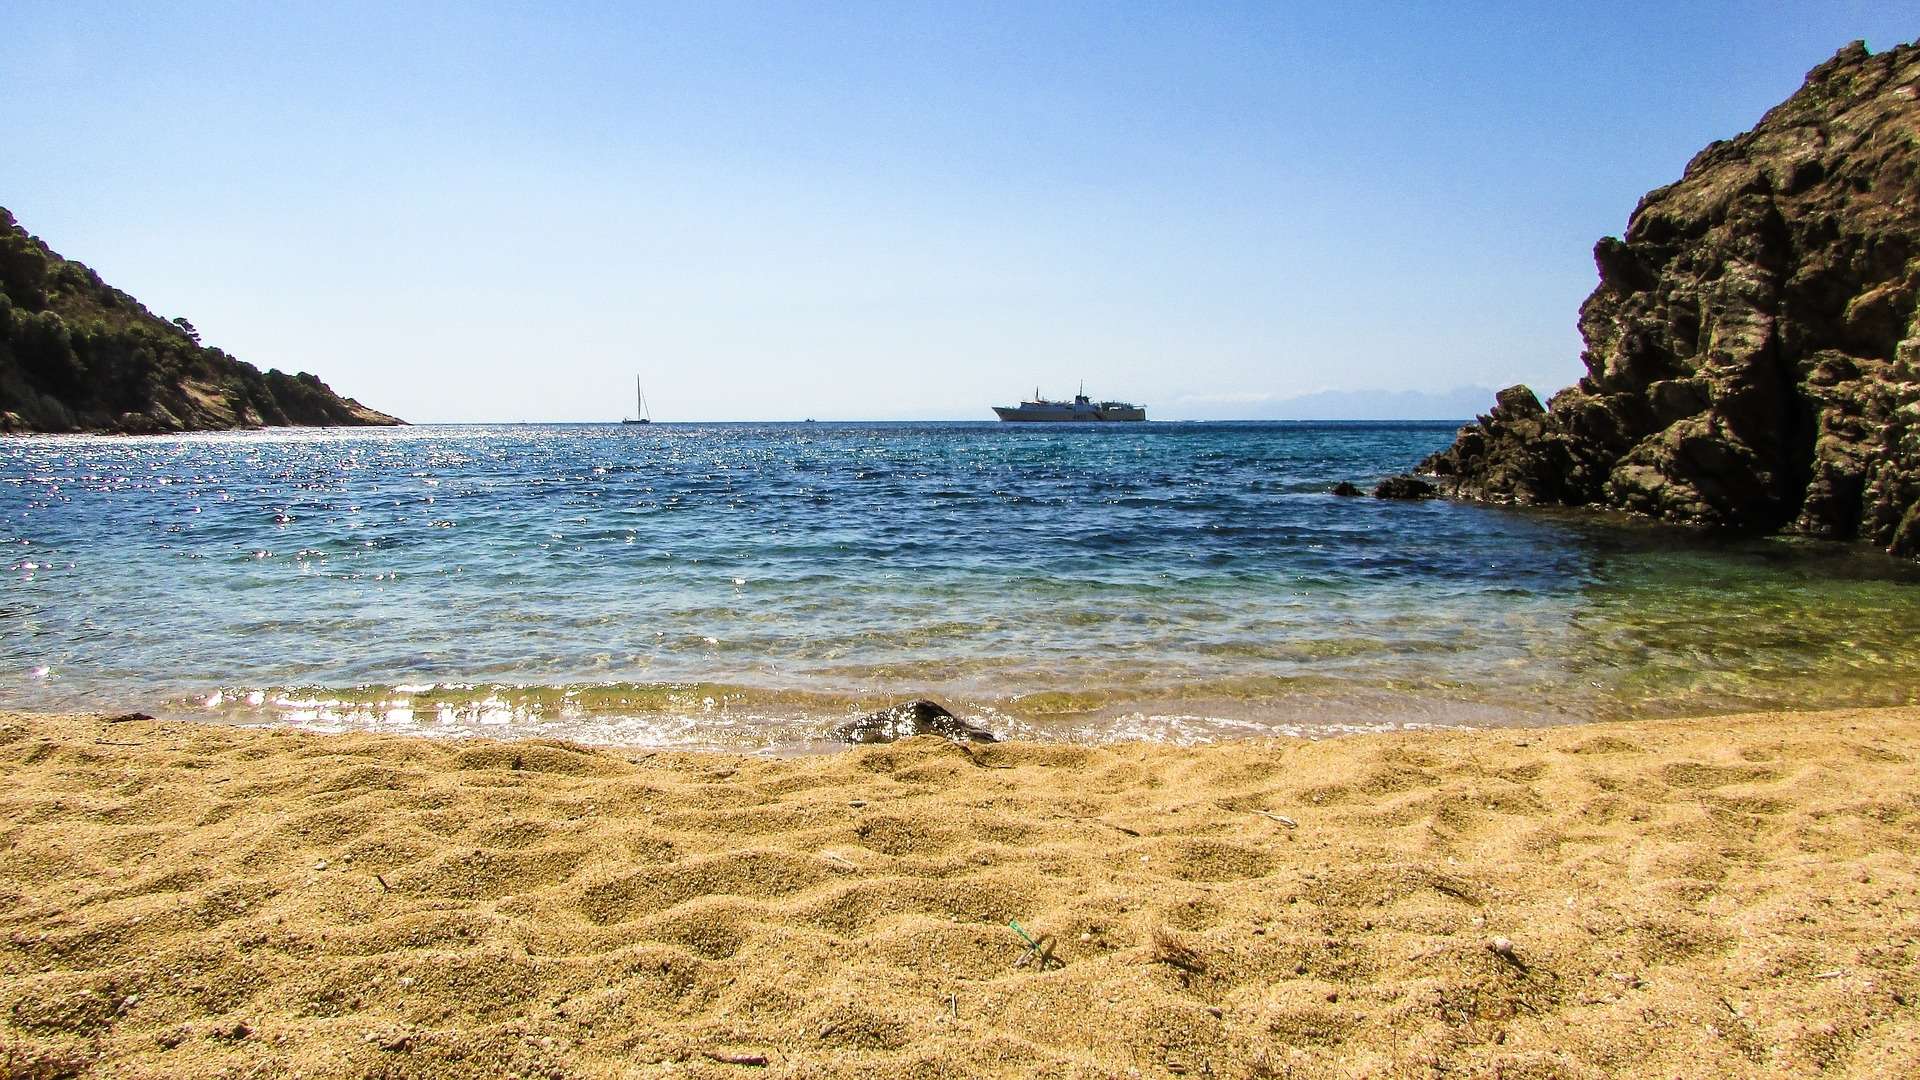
pixel 77 354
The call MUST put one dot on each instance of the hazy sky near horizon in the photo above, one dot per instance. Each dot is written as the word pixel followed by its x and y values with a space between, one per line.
pixel 886 210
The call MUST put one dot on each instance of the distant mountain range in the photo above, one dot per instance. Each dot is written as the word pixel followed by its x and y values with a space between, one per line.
pixel 1462 404
pixel 77 354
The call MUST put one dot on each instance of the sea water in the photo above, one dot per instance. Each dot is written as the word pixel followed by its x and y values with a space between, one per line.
pixel 748 586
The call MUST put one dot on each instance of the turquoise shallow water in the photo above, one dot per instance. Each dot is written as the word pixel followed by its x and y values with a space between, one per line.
pixel 746 586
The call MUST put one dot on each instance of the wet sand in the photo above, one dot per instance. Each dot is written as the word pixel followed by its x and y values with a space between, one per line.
pixel 1733 896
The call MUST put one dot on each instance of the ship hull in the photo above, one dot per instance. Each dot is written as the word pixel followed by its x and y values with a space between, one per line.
pixel 1067 415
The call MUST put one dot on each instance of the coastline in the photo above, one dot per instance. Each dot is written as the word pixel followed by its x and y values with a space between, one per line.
pixel 1727 896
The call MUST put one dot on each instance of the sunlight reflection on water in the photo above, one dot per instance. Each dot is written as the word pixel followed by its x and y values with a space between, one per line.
pixel 752 585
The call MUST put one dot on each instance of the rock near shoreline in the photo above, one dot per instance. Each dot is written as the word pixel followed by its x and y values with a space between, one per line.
pixel 1752 354
pixel 908 719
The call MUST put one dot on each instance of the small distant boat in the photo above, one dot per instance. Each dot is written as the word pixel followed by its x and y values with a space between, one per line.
pixel 1080 409
pixel 643 416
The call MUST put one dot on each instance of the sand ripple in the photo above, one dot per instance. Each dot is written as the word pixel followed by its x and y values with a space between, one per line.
pixel 1727 897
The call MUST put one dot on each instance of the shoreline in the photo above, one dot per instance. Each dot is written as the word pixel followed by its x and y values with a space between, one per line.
pixel 742 720
pixel 737 718
pixel 1723 896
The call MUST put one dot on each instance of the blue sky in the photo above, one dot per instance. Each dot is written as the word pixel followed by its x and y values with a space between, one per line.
pixel 498 212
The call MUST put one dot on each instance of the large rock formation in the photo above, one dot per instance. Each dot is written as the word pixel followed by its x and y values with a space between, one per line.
pixel 79 355
pixel 1751 350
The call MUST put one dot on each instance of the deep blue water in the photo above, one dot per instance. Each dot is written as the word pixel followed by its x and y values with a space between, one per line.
pixel 747 585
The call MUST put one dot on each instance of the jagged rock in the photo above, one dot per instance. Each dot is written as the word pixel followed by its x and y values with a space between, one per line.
pixel 1346 490
pixel 1752 353
pixel 919 717
pixel 77 354
pixel 1404 487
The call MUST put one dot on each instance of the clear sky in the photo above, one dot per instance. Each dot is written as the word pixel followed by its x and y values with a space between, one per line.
pixel 851 210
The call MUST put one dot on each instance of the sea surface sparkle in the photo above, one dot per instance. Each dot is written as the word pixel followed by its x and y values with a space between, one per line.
pixel 747 586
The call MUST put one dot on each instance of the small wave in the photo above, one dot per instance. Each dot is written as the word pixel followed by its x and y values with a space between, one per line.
pixel 1059 578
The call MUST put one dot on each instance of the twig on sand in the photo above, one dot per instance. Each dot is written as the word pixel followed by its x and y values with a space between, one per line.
pixel 1834 974
pixel 384 887
pixel 1281 818
pixel 125 718
pixel 758 1061
pixel 1096 821
pixel 841 859
pixel 976 762
pixel 1168 949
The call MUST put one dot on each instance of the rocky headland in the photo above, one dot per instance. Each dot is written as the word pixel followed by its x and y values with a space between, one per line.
pixel 77 354
pixel 1752 355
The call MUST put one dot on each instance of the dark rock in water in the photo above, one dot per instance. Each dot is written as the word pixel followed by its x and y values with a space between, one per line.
pixel 1404 487
pixel 921 717
pixel 1752 350
pixel 1346 490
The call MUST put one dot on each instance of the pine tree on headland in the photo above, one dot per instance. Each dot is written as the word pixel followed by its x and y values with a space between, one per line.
pixel 77 354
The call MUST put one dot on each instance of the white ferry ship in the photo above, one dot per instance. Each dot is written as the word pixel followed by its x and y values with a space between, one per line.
pixel 1081 408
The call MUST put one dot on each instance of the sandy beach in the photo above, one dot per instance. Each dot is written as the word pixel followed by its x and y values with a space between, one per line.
pixel 1733 896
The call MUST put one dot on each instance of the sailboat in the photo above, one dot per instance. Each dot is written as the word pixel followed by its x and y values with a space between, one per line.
pixel 642 416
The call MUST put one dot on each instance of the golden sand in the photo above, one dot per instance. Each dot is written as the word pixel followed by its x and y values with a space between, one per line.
pixel 1735 896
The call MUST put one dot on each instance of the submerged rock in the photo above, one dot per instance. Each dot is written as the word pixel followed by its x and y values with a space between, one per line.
pixel 1404 487
pixel 1752 353
pixel 1346 490
pixel 918 717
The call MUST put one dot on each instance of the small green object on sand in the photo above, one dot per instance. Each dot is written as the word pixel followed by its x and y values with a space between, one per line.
pixel 1040 952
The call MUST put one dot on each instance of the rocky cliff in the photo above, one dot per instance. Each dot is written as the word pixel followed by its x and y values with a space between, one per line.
pixel 79 355
pixel 1752 353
